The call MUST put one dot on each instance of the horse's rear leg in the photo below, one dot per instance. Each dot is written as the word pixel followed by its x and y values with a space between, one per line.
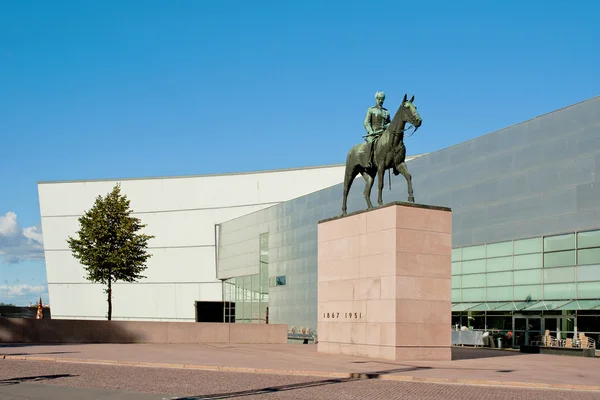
pixel 368 185
pixel 349 176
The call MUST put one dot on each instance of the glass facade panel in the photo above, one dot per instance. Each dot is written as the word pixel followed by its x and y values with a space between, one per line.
pixel 531 292
pixel 456 295
pixel 263 288
pixel 527 246
pixel 562 291
pixel 500 264
pixel 528 277
pixel 588 290
pixel 559 259
pixel 499 249
pixel 456 282
pixel 477 280
pixel 559 242
pixel 588 239
pixel 499 293
pixel 247 285
pixel 247 297
pixel 588 273
pixel 559 275
pixel 528 261
pixel 456 254
pixel 474 294
pixel 456 268
pixel 473 252
pixel 529 269
pixel 473 267
pixel 588 256
pixel 500 279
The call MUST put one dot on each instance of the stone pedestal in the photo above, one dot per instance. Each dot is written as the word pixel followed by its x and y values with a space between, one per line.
pixel 384 283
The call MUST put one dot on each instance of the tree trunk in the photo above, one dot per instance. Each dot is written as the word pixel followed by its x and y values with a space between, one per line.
pixel 109 292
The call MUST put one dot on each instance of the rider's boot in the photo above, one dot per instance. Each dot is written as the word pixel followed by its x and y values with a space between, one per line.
pixel 370 161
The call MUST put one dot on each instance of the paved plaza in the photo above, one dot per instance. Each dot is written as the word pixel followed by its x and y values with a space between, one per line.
pixel 40 380
pixel 263 370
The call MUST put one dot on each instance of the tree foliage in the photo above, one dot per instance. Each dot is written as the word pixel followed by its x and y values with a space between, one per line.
pixel 108 244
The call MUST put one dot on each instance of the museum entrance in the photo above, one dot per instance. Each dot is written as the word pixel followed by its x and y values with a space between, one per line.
pixel 526 328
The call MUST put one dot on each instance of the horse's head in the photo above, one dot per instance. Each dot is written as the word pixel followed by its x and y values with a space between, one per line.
pixel 409 112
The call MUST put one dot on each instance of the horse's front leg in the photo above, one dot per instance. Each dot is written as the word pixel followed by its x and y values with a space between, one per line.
pixel 368 185
pixel 404 171
pixel 380 176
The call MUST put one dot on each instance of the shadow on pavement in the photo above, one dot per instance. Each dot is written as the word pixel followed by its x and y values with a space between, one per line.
pixel 24 352
pixel 44 353
pixel 16 381
pixel 271 389
pixel 470 353
pixel 283 388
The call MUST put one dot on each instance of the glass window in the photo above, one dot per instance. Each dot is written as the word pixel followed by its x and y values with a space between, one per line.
pixel 559 242
pixel 559 275
pixel 455 282
pixel 263 311
pixel 455 295
pixel 588 256
pixel 526 246
pixel 500 264
pixel 264 282
pixel 588 273
pixel 473 267
pixel 499 249
pixel 280 280
pixel 255 288
pixel 456 268
pixel 477 280
pixel 239 304
pixel 559 259
pixel 528 261
pixel 528 277
pixel 473 252
pixel 247 287
pixel 499 293
pixel 255 312
pixel 560 291
pixel 456 254
pixel 588 290
pixel 474 294
pixel 529 292
pixel 500 279
pixel 247 312
pixel 588 239
pixel 503 323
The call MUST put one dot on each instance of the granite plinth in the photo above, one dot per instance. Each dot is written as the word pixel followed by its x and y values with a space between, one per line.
pixel 384 283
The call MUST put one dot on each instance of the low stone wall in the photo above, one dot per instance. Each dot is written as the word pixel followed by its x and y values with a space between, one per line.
pixel 568 351
pixel 24 330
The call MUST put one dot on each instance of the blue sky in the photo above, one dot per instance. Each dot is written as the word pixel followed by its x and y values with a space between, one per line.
pixel 152 88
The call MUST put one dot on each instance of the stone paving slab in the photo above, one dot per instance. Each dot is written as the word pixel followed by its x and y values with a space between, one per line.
pixel 472 366
pixel 54 379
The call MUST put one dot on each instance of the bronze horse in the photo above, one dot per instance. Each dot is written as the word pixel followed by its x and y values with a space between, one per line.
pixel 389 152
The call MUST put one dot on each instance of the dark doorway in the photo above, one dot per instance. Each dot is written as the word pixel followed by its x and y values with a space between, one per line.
pixel 210 311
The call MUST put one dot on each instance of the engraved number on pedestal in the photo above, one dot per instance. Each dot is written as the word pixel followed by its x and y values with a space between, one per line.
pixel 347 315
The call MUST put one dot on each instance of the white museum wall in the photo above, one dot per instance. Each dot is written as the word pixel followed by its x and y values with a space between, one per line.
pixel 181 212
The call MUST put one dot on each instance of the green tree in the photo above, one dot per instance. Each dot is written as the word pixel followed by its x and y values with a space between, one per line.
pixel 108 243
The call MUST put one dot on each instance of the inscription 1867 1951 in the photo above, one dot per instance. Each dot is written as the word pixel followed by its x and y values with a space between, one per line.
pixel 346 315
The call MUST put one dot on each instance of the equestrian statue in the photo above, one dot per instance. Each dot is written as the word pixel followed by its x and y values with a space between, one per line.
pixel 384 148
